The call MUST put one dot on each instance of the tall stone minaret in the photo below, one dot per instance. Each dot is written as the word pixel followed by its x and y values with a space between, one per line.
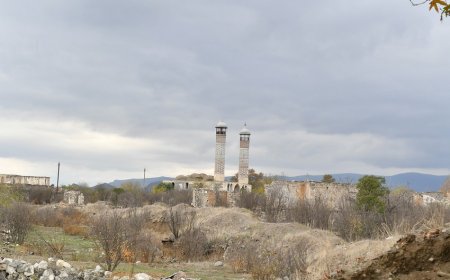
pixel 243 156
pixel 221 135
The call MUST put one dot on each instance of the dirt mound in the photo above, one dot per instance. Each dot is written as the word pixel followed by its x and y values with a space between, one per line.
pixel 333 260
pixel 225 222
pixel 425 256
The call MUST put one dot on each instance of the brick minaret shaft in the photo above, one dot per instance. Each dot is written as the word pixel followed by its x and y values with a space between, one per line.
pixel 244 146
pixel 221 135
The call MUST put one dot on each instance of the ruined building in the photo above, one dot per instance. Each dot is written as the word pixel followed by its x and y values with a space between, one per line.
pixel 218 191
pixel 332 194
pixel 73 198
pixel 24 180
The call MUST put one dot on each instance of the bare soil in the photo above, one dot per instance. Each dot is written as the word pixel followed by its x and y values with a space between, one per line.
pixel 423 256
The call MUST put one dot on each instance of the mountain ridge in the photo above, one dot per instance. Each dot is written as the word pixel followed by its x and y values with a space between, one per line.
pixel 419 182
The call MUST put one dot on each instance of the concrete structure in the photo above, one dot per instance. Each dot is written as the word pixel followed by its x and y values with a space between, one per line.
pixel 221 135
pixel 73 198
pixel 24 180
pixel 244 145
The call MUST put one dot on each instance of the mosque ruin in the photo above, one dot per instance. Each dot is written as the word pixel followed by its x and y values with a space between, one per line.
pixel 218 191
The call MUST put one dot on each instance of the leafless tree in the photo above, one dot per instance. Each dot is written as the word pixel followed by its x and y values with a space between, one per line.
pixel 110 232
pixel 18 221
pixel 174 220
pixel 315 213
pixel 252 201
pixel 193 242
pixel 134 224
pixel 276 202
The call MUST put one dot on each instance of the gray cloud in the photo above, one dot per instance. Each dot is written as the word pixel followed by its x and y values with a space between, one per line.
pixel 351 87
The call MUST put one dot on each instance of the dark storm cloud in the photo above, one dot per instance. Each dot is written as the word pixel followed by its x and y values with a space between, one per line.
pixel 344 86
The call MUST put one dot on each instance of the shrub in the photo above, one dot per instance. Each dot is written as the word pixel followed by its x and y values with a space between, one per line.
pixel 18 221
pixel 110 233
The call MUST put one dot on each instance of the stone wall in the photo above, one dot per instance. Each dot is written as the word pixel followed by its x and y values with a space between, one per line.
pixel 73 198
pixel 24 180
pixel 210 198
pixel 330 193
pixel 427 198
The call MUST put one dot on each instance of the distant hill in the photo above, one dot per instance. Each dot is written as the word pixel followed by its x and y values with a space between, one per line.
pixel 104 186
pixel 149 182
pixel 417 181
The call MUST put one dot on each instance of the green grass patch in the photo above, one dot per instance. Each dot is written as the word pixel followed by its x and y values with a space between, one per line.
pixel 200 270
pixel 51 241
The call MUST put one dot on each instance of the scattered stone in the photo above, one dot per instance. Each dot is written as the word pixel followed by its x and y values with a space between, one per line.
pixel 180 275
pixel 62 263
pixel 218 263
pixel 63 275
pixel 47 275
pixel 41 266
pixel 10 270
pixel 21 270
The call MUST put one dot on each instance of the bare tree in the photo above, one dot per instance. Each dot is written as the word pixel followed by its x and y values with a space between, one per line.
pixel 18 221
pixel 276 202
pixel 193 242
pixel 134 224
pixel 175 221
pixel 252 201
pixel 314 213
pixel 109 230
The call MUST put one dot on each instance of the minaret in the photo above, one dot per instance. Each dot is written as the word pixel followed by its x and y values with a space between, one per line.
pixel 221 135
pixel 243 156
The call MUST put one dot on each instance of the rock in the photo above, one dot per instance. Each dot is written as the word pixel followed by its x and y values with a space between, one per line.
pixel 63 275
pixel 179 275
pixel 3 266
pixel 29 270
pixel 47 275
pixel 41 266
pixel 218 263
pixel 10 270
pixel 108 274
pixel 62 263
pixel 98 269
pixel 141 276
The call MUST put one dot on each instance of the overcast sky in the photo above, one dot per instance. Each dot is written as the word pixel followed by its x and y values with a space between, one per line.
pixel 109 88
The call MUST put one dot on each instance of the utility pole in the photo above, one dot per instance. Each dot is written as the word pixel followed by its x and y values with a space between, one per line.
pixel 144 177
pixel 57 179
